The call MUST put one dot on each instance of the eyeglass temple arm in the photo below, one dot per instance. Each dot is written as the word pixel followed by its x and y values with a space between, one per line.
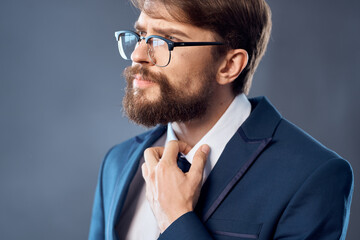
pixel 189 44
pixel 184 44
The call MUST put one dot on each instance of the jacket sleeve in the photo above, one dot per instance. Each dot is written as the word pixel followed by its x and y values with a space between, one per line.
pixel 186 227
pixel 97 225
pixel 321 206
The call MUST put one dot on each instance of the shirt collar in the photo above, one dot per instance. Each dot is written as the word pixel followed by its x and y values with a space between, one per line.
pixel 221 133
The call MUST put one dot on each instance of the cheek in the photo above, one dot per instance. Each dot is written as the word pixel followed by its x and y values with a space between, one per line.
pixel 187 70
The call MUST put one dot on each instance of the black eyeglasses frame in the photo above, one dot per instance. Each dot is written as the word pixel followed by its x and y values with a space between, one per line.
pixel 171 44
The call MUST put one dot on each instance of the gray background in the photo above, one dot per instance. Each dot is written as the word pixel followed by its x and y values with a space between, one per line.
pixel 61 91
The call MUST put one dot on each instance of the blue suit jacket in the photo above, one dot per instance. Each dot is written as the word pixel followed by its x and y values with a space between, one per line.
pixel 272 181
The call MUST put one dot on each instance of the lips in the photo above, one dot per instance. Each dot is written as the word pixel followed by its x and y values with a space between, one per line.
pixel 140 82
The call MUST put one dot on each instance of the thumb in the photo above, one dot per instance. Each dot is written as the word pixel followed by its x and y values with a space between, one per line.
pixel 199 160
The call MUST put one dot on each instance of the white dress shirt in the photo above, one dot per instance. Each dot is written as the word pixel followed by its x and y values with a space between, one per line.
pixel 137 221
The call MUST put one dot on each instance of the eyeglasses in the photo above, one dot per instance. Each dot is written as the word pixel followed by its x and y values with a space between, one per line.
pixel 158 48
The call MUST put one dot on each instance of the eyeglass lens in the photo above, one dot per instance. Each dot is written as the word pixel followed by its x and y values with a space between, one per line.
pixel 157 48
pixel 126 44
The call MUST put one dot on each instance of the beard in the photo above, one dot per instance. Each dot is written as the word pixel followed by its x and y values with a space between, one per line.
pixel 175 104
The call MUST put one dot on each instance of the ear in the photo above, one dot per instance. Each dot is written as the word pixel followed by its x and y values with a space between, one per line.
pixel 232 65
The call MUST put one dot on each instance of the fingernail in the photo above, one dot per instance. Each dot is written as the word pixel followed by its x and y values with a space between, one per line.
pixel 205 149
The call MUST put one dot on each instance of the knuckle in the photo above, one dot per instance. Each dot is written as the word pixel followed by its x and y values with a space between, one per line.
pixel 201 160
pixel 148 151
pixel 172 142
pixel 197 177
pixel 160 167
pixel 152 175
pixel 201 156
pixel 144 168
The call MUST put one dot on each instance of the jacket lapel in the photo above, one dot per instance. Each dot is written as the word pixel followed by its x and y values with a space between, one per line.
pixel 238 156
pixel 129 169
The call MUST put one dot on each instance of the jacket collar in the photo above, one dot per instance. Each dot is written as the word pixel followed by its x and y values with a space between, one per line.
pixel 122 184
pixel 238 156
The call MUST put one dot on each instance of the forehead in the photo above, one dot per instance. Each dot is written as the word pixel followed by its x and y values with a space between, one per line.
pixel 156 16
pixel 148 21
pixel 154 12
pixel 156 9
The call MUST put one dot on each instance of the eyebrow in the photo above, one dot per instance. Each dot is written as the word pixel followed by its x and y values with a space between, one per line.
pixel 162 31
pixel 137 26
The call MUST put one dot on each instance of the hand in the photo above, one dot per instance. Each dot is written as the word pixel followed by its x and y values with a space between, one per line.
pixel 170 192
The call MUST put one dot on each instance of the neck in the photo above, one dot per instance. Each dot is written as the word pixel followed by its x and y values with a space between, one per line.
pixel 191 132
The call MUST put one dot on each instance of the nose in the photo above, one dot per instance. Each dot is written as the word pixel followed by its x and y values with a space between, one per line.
pixel 140 53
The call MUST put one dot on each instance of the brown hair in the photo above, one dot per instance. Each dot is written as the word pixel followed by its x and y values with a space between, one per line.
pixel 244 24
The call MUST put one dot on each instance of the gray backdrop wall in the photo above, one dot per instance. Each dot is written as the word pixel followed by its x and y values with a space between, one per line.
pixel 61 91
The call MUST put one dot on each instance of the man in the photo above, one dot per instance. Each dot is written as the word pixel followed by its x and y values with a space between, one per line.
pixel 248 172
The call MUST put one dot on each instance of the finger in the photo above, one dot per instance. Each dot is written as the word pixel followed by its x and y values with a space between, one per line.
pixel 152 156
pixel 199 160
pixel 149 184
pixel 148 190
pixel 144 171
pixel 172 149
pixel 170 152
pixel 184 147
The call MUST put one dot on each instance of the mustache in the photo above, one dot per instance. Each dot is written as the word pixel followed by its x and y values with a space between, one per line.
pixel 130 72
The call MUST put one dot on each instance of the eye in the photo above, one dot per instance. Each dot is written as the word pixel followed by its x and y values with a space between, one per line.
pixel 141 33
pixel 171 38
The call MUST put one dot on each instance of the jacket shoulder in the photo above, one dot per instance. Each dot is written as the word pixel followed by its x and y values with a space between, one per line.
pixel 301 155
pixel 297 142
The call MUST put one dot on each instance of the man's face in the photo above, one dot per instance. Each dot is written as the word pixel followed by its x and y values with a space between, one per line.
pixel 179 92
